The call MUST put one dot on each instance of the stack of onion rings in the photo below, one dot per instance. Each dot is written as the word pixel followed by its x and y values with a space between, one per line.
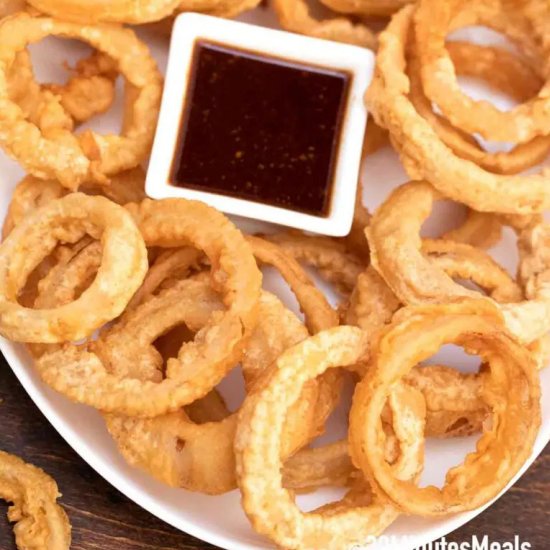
pixel 148 346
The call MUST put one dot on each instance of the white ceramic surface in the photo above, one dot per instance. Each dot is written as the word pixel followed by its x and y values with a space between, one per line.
pixel 219 520
pixel 359 62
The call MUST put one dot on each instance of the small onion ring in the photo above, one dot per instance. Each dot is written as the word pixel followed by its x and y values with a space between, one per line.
pixel 511 390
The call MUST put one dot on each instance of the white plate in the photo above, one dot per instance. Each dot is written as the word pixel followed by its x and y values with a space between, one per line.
pixel 219 520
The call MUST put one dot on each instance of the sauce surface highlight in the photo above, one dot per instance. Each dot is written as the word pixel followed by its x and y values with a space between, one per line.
pixel 260 128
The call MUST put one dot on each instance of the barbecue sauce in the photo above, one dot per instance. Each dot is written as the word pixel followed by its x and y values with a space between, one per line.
pixel 260 128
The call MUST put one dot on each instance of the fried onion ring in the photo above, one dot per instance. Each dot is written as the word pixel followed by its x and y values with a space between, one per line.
pixel 511 390
pixel 366 7
pixel 107 11
pixel 415 280
pixel 320 315
pixel 294 16
pixel 59 154
pixel 424 154
pixel 433 20
pixel 31 193
pixel 182 462
pixel 41 524
pixel 328 256
pixel 123 266
pixel 517 78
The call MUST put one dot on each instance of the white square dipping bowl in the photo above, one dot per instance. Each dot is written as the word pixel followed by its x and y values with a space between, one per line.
pixel 356 61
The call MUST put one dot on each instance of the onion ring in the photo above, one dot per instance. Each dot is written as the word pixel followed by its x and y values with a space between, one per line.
pixel 192 302
pixel 424 154
pixel 433 19
pixel 31 193
pixel 373 303
pixel 478 229
pixel 373 306
pixel 123 267
pixel 182 462
pixel 294 16
pixel 173 263
pixel 88 156
pixel 512 391
pixel 366 7
pixel 328 256
pixel 484 61
pixel 309 297
pixel 137 13
pixel 107 11
pixel 41 522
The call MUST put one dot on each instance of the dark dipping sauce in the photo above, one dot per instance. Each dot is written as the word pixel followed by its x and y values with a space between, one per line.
pixel 260 128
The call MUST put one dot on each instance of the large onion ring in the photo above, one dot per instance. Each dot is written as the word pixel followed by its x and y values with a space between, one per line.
pixel 424 154
pixel 433 20
pixel 516 78
pixel 123 266
pixel 59 154
pixel 511 390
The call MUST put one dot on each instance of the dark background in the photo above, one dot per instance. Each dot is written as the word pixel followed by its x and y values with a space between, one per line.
pixel 103 519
